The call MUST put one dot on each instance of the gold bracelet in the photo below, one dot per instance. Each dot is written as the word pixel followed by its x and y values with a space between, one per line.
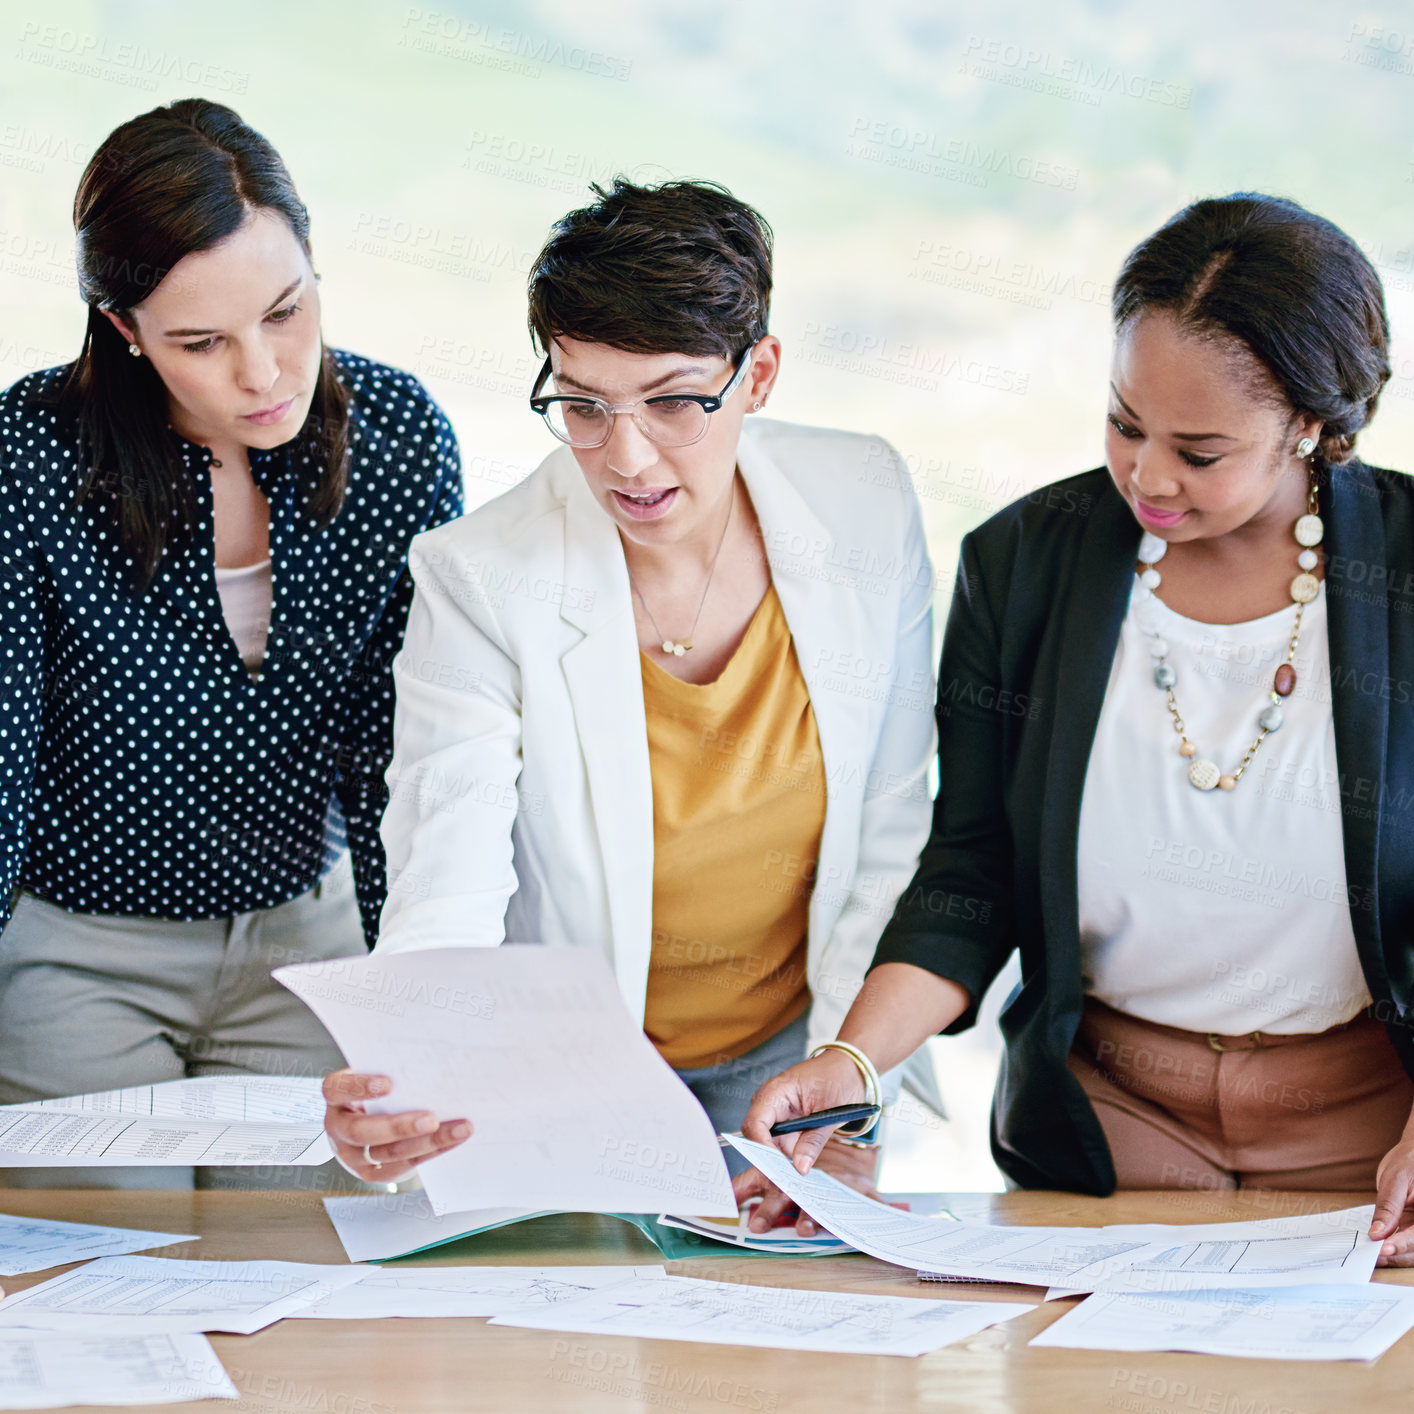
pixel 873 1091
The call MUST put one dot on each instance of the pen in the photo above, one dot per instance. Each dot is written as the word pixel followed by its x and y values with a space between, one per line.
pixel 839 1114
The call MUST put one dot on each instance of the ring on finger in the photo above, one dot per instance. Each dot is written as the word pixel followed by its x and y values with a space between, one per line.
pixel 369 1159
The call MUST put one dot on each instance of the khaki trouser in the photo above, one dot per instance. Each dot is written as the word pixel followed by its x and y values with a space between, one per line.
pixel 96 1002
pixel 1184 1110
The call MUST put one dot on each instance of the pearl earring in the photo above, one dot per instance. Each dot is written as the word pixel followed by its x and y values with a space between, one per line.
pixel 1305 447
pixel 134 350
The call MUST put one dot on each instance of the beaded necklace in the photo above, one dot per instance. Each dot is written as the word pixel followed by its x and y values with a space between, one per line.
pixel 1202 773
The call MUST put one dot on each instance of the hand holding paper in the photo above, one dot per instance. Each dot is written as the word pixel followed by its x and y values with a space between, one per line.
pixel 381 1148
pixel 573 1107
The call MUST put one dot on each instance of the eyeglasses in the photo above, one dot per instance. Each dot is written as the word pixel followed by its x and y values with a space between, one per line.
pixel 669 419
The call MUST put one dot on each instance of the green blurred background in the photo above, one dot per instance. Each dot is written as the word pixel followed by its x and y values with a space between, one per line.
pixel 952 189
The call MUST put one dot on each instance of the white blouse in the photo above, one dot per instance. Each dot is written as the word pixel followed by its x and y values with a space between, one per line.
pixel 1218 911
pixel 247 594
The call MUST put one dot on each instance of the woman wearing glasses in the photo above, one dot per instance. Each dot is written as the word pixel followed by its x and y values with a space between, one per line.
pixel 671 696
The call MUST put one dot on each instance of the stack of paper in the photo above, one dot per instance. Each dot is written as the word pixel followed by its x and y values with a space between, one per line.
pixel 208 1120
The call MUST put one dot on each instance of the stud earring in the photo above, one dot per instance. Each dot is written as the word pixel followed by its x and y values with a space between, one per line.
pixel 755 407
pixel 1305 447
pixel 134 350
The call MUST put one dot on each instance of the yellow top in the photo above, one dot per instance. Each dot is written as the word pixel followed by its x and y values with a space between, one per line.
pixel 738 807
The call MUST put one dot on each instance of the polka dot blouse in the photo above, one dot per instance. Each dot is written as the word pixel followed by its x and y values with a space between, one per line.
pixel 142 771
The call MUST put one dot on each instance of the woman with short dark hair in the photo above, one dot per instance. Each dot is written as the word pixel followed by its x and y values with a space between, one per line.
pixel 1200 840
pixel 204 524
pixel 680 708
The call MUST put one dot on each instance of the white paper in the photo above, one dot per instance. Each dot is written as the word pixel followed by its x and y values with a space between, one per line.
pixel 43 1371
pixel 782 1318
pixel 784 1241
pixel 33 1244
pixel 258 1098
pixel 573 1107
pixel 465 1291
pixel 1037 1256
pixel 208 1120
pixel 152 1295
pixel 1273 1323
pixel 376 1226
pixel 1314 1248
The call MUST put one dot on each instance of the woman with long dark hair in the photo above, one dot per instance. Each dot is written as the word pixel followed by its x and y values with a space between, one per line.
pixel 204 523
pixel 1200 840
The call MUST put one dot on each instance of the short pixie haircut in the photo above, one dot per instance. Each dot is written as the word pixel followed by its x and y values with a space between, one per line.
pixel 680 267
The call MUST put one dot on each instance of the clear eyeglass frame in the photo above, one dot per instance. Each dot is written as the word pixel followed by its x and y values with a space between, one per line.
pixel 552 407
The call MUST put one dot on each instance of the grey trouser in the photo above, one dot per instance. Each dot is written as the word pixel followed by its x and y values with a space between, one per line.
pixel 97 1002
pixel 725 1090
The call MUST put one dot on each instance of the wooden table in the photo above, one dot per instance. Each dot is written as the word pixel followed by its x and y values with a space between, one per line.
pixel 451 1366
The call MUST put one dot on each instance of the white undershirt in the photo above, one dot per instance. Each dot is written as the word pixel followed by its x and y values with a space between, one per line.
pixel 1218 911
pixel 246 596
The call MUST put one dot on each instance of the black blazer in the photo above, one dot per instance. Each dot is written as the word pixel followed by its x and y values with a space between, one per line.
pixel 1041 593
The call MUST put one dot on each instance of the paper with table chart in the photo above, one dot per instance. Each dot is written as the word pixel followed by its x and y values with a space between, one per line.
pixel 43 1371
pixel 1032 1256
pixel 573 1107
pixel 162 1296
pixel 32 1244
pixel 782 1318
pixel 212 1119
pixel 1316 1247
pixel 1274 1323
pixel 464 1291
pixel 1325 1248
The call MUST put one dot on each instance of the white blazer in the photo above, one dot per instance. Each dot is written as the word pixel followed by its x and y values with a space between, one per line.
pixel 520 797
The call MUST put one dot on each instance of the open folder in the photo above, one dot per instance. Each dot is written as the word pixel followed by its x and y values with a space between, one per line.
pixel 378 1227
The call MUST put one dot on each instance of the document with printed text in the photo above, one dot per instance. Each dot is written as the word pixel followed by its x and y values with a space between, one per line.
pixel 465 1291
pixel 208 1120
pixel 1032 1256
pixel 1322 1248
pixel 152 1296
pixel 573 1107
pixel 32 1244
pixel 1273 1323
pixel 782 1318
pixel 1327 1248
pixel 44 1371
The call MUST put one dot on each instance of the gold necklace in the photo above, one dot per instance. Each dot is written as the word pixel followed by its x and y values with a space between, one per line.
pixel 668 645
